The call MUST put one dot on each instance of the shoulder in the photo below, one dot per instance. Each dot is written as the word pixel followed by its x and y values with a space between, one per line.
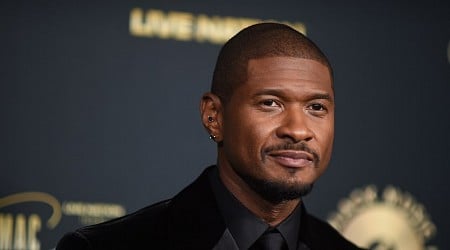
pixel 190 218
pixel 324 234
pixel 147 225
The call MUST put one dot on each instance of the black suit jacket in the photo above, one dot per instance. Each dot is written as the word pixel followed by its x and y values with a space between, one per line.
pixel 190 220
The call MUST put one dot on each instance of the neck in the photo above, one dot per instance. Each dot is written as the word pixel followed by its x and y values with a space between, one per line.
pixel 272 214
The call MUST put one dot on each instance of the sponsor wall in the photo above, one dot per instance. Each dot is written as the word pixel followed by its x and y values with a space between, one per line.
pixel 99 112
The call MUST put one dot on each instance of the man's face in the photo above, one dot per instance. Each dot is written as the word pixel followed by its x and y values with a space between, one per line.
pixel 278 126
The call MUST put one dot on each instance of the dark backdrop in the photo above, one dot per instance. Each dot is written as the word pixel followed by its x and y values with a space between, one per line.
pixel 92 114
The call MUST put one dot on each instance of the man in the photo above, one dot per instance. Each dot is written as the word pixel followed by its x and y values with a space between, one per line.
pixel 271 113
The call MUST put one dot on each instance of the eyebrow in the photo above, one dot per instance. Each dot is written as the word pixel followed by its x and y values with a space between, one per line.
pixel 321 96
pixel 281 93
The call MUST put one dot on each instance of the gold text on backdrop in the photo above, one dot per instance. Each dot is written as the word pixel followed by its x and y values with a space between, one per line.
pixel 20 228
pixel 185 26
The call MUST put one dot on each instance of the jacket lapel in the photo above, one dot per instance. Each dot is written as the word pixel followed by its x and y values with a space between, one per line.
pixel 317 234
pixel 194 218
pixel 307 237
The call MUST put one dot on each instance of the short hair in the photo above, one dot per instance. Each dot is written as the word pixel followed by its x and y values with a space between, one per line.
pixel 258 41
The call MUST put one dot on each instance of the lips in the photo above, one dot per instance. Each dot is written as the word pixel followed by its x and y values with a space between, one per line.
pixel 292 159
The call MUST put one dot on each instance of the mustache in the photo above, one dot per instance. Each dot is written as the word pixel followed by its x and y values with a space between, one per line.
pixel 301 146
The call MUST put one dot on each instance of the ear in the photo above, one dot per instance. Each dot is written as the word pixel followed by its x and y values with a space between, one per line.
pixel 212 115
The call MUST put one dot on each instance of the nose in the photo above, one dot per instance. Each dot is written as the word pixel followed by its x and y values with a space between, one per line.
pixel 294 126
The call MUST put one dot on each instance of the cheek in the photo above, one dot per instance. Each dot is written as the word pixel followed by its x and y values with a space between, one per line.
pixel 246 137
pixel 325 139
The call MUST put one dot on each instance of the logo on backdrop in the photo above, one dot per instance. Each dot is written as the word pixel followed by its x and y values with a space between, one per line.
pixel 185 26
pixel 392 221
pixel 22 216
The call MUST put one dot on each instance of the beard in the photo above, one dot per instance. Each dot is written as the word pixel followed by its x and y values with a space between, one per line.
pixel 276 192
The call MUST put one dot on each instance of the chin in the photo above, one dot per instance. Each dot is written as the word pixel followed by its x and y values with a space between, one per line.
pixel 276 191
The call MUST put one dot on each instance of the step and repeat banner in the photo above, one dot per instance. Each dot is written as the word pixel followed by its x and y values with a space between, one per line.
pixel 99 112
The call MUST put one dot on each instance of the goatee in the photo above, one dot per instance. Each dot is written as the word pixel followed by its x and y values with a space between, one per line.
pixel 276 191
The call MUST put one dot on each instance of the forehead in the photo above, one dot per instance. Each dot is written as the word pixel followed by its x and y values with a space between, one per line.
pixel 278 68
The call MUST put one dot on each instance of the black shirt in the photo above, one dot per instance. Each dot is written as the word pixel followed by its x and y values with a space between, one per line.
pixel 243 225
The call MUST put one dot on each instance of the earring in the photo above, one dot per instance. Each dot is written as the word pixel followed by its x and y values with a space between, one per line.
pixel 212 137
pixel 210 119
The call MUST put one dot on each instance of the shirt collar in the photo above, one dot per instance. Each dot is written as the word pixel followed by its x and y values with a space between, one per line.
pixel 243 225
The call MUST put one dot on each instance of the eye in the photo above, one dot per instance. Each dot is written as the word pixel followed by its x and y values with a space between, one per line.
pixel 270 103
pixel 317 107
